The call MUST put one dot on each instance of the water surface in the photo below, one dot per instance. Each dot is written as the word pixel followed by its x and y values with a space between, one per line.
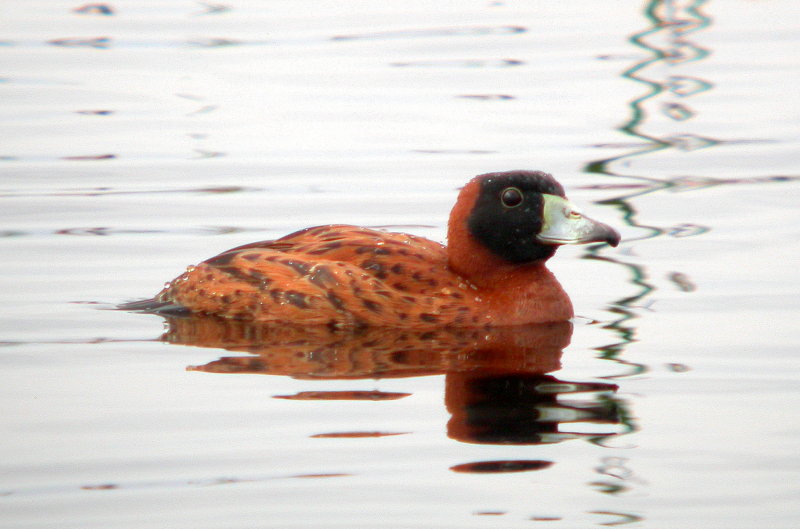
pixel 138 139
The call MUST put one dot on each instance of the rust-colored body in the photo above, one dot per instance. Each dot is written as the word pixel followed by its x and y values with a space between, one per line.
pixel 502 230
pixel 343 276
pixel 338 275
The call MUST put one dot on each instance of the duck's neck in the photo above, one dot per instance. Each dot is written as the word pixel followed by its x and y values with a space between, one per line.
pixel 514 293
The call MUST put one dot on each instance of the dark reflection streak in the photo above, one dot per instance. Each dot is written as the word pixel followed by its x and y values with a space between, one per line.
pixel 162 484
pixel 677 26
pixel 638 112
pixel 620 326
pixel 624 518
pixel 497 389
pixel 218 42
pixel 672 21
pixel 636 105
pixel 436 32
pixel 90 157
pixel 107 232
pixel 344 395
pixel 213 9
pixel 400 227
pixel 505 466
pixel 486 97
pixel 100 43
pixel 356 435
pixel 621 412
pixel 95 112
pixel 94 9
pixel 105 43
pixel 203 154
pixel 621 307
pixel 92 341
pixel 452 151
pixel 102 191
pixel 464 63
pixel 629 216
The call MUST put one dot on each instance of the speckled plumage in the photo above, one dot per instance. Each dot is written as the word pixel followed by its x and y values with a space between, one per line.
pixel 492 273
pixel 331 275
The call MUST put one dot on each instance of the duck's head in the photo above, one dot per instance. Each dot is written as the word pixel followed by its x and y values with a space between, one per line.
pixel 514 218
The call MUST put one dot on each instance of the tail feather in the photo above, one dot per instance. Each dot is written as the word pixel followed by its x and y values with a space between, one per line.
pixel 154 306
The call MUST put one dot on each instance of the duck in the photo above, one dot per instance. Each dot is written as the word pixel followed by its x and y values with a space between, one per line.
pixel 501 232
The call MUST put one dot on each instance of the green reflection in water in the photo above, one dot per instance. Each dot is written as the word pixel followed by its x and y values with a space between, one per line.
pixel 666 43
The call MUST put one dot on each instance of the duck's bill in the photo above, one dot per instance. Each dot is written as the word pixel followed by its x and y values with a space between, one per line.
pixel 564 224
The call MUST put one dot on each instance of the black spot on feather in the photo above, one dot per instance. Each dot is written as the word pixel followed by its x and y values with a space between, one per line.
pixel 298 299
pixel 371 305
pixel 222 259
pixel 325 249
pixel 298 266
pixel 322 277
pixel 335 300
pixel 252 277
pixel 376 267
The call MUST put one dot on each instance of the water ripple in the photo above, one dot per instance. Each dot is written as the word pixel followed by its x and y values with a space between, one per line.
pixel 460 63
pixel 623 518
pixel 213 9
pixel 494 467
pixel 487 97
pixel 94 9
pixel 104 231
pixel 106 43
pixel 344 395
pixel 100 43
pixel 434 32
pixel 108 191
pixel 355 435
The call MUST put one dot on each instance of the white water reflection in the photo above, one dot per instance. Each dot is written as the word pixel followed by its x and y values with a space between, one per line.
pixel 139 138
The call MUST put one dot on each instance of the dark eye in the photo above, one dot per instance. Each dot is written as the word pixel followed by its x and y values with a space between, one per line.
pixel 511 197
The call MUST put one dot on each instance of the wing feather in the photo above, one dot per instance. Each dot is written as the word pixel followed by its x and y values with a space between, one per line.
pixel 335 275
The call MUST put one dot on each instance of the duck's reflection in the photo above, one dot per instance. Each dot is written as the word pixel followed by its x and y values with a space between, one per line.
pixel 523 408
pixel 497 388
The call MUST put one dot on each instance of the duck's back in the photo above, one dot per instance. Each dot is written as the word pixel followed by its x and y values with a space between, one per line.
pixel 330 275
